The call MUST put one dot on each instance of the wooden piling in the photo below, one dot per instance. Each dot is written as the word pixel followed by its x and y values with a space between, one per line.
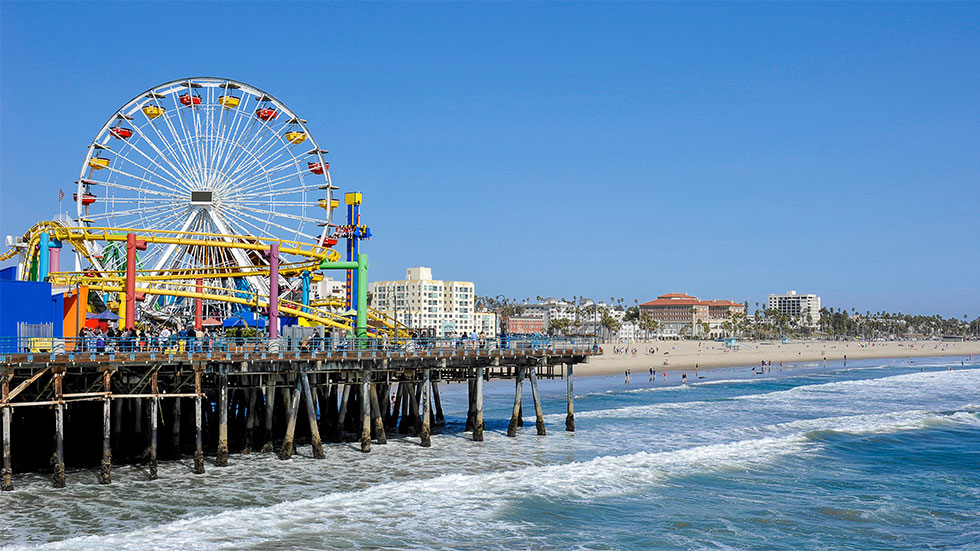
pixel 405 394
pixel 270 403
pixel 538 414
pixel 198 413
pixel 7 472
pixel 253 394
pixel 518 394
pixel 222 458
pixel 470 403
pixel 154 405
pixel 365 416
pixel 415 420
pixel 286 451
pixel 105 467
pixel 175 428
pixel 311 417
pixel 437 402
pixel 379 426
pixel 478 419
pixel 342 414
pixel 570 391
pixel 426 409
pixel 59 434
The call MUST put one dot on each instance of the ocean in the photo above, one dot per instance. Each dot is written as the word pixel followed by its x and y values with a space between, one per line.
pixel 877 454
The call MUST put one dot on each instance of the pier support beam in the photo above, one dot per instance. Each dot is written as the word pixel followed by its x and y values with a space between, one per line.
pixel 538 414
pixel 59 434
pixel 413 393
pixel 270 403
pixel 286 451
pixel 379 426
pixel 198 440
pixel 342 414
pixel 478 417
pixel 311 416
pixel 437 402
pixel 570 390
pixel 7 473
pixel 470 403
pixel 154 407
pixel 426 409
pixel 175 428
pixel 105 468
pixel 253 395
pixel 365 416
pixel 518 394
pixel 222 459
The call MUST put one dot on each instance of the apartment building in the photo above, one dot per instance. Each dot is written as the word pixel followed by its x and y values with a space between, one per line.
pixel 446 308
pixel 794 304
pixel 674 311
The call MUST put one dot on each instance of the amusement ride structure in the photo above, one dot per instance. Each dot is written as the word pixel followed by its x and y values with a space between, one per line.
pixel 206 195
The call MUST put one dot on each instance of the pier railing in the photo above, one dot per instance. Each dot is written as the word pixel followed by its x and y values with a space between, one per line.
pixel 43 349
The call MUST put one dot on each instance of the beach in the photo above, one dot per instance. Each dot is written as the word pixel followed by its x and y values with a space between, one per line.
pixel 686 355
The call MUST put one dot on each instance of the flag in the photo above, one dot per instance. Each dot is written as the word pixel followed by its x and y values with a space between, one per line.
pixel 61 195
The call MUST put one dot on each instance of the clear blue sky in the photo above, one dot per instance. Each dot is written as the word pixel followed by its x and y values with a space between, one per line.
pixel 726 150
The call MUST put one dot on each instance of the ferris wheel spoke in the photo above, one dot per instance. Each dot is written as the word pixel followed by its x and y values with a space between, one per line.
pixel 176 142
pixel 269 184
pixel 281 215
pixel 247 153
pixel 231 140
pixel 279 203
pixel 174 159
pixel 147 170
pixel 122 213
pixel 247 181
pixel 239 215
pixel 259 144
pixel 179 138
pixel 173 179
pixel 179 174
pixel 257 165
pixel 139 189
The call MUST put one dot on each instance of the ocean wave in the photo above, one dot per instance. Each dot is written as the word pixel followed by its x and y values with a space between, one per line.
pixel 447 506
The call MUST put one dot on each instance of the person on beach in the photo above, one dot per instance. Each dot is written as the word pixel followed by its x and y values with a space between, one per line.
pixel 684 379
pixel 651 373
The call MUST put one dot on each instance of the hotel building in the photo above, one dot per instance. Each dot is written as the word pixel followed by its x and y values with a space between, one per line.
pixel 675 310
pixel 794 304
pixel 445 308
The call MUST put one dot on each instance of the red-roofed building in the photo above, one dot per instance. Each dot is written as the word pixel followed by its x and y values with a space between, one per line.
pixel 674 311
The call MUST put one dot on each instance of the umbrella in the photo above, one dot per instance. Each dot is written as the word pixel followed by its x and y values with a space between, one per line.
pixel 240 320
pixel 107 315
pixel 211 322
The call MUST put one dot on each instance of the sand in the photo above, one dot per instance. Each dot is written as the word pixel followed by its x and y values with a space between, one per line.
pixel 685 355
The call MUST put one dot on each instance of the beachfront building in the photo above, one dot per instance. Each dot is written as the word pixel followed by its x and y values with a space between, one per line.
pixel 525 325
pixel 442 308
pixel 328 287
pixel 805 307
pixel 679 313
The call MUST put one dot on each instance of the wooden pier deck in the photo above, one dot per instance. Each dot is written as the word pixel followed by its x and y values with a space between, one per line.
pixel 128 406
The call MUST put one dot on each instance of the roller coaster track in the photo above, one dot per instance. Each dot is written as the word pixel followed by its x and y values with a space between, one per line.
pixel 183 283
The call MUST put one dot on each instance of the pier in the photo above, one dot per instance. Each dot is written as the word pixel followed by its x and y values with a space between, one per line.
pixel 88 408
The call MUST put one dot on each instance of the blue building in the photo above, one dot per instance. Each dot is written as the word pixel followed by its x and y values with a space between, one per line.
pixel 27 309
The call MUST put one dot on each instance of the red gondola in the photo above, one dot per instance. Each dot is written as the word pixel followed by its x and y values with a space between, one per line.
pixel 266 114
pixel 120 132
pixel 317 168
pixel 87 198
pixel 188 99
pixel 330 241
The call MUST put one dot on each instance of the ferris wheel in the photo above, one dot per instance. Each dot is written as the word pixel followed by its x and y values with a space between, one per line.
pixel 208 155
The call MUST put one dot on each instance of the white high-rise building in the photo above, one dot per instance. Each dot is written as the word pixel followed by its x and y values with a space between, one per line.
pixel 794 304
pixel 446 308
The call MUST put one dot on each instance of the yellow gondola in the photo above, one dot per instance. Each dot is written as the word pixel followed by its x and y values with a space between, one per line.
pixel 295 137
pixel 152 111
pixel 332 204
pixel 229 102
pixel 98 163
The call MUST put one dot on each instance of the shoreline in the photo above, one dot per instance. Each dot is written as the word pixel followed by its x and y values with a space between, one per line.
pixel 686 355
